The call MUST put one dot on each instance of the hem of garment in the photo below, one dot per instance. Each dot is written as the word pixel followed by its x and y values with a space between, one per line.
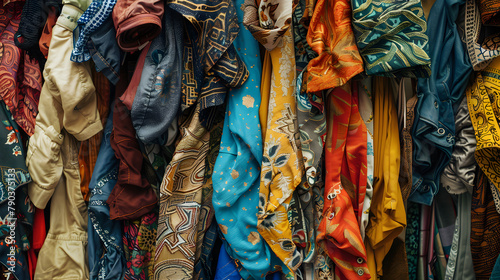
pixel 134 22
pixel 38 195
pixel 89 131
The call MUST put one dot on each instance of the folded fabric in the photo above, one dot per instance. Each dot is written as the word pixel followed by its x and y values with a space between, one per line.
pixel 137 22
pixel 391 37
pixel 330 35
pixel 490 11
pixel 158 95
pixel 132 196
pixel 483 41
pixel 483 101
pixel 90 21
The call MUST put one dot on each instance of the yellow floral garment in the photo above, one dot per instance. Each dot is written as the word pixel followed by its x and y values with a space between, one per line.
pixel 387 211
pixel 282 166
pixel 483 99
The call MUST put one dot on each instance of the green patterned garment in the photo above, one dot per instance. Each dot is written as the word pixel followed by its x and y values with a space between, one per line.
pixel 391 37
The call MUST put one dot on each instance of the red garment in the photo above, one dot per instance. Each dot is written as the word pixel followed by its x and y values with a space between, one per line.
pixel 137 22
pixel 132 196
pixel 345 155
pixel 44 41
pixel 128 96
pixel 20 77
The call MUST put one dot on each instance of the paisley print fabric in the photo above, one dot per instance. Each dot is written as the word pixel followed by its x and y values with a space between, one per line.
pixel 387 211
pixel 490 12
pixel 483 99
pixel 345 161
pixel 303 52
pixel 282 166
pixel 20 76
pixel 330 35
pixel 391 37
pixel 312 127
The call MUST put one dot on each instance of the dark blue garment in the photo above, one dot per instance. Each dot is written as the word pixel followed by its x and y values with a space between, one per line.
pixel 105 249
pixel 105 51
pixel 158 96
pixel 206 266
pixel 434 128
pixel 226 267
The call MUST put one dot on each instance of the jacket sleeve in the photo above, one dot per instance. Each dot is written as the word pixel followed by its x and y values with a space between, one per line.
pixel 67 101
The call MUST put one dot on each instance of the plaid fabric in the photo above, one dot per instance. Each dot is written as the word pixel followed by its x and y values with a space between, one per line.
pixel 91 19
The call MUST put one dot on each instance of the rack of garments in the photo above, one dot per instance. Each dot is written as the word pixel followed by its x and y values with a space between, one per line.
pixel 249 139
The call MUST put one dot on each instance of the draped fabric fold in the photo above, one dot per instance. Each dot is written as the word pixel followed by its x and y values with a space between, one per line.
pixel 345 165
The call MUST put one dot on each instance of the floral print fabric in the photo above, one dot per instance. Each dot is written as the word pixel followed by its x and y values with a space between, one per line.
pixel 282 166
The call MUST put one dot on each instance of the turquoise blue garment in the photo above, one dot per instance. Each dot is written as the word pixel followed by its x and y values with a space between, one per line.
pixel 236 176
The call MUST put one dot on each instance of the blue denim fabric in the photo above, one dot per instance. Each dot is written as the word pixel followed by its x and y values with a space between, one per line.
pixel 204 267
pixel 105 248
pixel 105 51
pixel 434 128
pixel 158 96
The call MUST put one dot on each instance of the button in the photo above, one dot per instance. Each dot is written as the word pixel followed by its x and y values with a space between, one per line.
pixel 332 215
pixel 360 272
pixel 436 104
pixel 360 260
pixel 441 131
pixel 331 196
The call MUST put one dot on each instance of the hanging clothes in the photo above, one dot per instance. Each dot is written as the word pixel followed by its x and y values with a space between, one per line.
pixel 388 216
pixel 345 165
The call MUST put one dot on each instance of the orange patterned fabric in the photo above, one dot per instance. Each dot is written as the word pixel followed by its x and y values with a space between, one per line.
pixel 345 156
pixel 330 35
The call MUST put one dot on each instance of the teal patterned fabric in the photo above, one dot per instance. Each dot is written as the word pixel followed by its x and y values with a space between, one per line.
pixel 391 37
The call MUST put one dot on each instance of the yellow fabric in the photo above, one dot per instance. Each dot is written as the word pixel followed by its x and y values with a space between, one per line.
pixel 483 99
pixel 387 212
pixel 282 166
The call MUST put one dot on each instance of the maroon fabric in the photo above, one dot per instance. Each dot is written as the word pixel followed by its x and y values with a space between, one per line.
pixel 137 22
pixel 132 196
